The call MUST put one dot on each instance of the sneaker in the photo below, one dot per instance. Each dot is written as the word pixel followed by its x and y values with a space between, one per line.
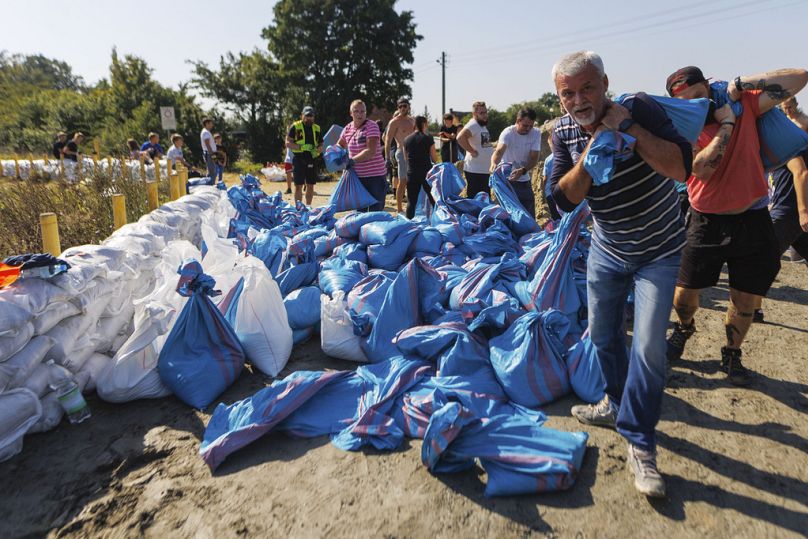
pixel 288 191
pixel 758 316
pixel 603 413
pixel 737 374
pixel 676 342
pixel 647 479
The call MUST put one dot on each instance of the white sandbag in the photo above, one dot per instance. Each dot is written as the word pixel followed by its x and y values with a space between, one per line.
pixel 109 258
pixel 34 295
pixel 52 413
pixel 109 328
pixel 19 367
pixel 97 296
pixel 38 381
pixel 14 342
pixel 12 318
pixel 219 259
pixel 337 337
pixel 21 409
pixel 66 335
pixel 140 241
pixel 260 321
pixel 133 372
pixel 93 368
pixel 53 314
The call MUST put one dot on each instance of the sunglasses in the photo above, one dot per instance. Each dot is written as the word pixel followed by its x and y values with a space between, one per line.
pixel 404 106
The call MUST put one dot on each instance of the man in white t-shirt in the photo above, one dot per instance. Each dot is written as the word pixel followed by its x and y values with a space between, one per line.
pixel 519 145
pixel 208 146
pixel 476 141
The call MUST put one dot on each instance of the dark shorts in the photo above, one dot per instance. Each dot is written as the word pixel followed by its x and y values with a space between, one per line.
pixel 745 242
pixel 790 234
pixel 304 169
pixel 476 183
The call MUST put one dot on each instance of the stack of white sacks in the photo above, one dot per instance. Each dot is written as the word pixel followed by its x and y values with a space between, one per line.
pixel 104 320
pixel 52 169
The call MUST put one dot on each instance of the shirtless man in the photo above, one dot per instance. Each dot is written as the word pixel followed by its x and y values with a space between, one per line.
pixel 400 126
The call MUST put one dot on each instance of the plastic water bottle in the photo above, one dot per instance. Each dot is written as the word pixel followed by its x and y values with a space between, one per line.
pixel 69 395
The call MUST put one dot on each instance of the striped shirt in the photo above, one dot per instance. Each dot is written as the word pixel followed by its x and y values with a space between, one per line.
pixel 357 140
pixel 636 215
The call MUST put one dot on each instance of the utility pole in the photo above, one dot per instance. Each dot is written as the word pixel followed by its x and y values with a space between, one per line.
pixel 442 63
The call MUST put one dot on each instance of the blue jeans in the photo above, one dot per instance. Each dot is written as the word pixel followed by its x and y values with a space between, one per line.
pixel 219 172
pixel 209 164
pixel 635 380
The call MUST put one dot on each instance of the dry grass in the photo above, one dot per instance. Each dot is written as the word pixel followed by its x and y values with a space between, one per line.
pixel 84 209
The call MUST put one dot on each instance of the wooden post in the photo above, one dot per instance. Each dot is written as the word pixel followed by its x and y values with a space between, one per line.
pixel 50 233
pixel 97 148
pixel 143 176
pixel 118 210
pixel 154 201
pixel 95 165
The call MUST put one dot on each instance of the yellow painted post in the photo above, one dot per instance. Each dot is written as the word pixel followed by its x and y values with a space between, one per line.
pixel 45 157
pixel 142 168
pixel 95 165
pixel 177 182
pixel 17 168
pixel 97 148
pixel 118 210
pixel 168 167
pixel 50 233
pixel 151 192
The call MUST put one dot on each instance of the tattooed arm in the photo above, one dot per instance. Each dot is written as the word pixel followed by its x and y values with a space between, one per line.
pixel 707 160
pixel 776 86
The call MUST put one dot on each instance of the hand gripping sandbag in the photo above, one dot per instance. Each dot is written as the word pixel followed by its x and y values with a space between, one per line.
pixel 254 307
pixel 350 194
pixel 780 139
pixel 528 361
pixel 202 355
pixel 336 158
pixel 608 149
pixel 521 222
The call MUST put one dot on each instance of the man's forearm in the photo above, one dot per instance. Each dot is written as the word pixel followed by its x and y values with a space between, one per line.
pixel 576 183
pixel 463 142
pixel 664 156
pixel 709 159
pixel 497 156
pixel 778 85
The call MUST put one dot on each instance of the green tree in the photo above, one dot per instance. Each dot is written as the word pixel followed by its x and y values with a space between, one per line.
pixel 330 52
pixel 248 85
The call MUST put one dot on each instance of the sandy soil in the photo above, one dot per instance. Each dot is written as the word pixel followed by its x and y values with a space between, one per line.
pixel 735 462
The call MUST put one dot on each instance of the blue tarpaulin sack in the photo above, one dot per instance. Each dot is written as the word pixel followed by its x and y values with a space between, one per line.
pixel 202 355
pixel 411 300
pixel 350 194
pixel 687 115
pixel 586 377
pixel 296 277
pixel 335 157
pixel 196 182
pixel 269 246
pixel 299 336
pixel 608 149
pixel 521 221
pixel 383 232
pixel 519 456
pixel 303 307
pixel 348 226
pixel 342 279
pixel 365 300
pixel 428 240
pixel 528 358
pixel 391 257
pixel 780 139
pixel 331 136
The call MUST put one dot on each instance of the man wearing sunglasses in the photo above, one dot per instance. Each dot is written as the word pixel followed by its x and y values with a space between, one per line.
pixel 306 144
pixel 400 128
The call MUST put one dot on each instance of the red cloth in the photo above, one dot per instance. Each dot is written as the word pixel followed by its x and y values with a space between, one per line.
pixel 8 274
pixel 739 180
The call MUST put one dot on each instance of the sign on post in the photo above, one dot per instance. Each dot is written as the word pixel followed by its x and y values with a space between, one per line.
pixel 167 118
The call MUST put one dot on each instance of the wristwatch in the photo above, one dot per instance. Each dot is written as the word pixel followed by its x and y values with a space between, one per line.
pixel 625 125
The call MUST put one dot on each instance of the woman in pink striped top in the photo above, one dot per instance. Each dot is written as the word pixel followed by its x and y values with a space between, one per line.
pixel 362 138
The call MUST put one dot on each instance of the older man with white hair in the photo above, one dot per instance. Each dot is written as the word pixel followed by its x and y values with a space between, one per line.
pixel 637 242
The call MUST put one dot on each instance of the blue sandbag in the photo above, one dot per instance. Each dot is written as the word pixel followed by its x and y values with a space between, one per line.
pixel 519 456
pixel 521 221
pixel 350 194
pixel 352 251
pixel 481 280
pixel 687 115
pixel 348 226
pixel 325 245
pixel 450 232
pixel 296 277
pixel 331 136
pixel 299 336
pixel 428 240
pixel 365 300
pixel 455 350
pixel 269 246
pixel 780 139
pixel 202 355
pixel 303 307
pixel 608 149
pixel 390 257
pixel 528 358
pixel 335 157
pixel 383 232
pixel 492 243
pixel 344 279
pixel 586 377
pixel 411 300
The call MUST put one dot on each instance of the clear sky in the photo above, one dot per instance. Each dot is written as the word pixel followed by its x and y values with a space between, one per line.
pixel 499 51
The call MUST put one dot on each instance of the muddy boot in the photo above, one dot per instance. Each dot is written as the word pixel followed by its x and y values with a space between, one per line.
pixel 737 374
pixel 676 342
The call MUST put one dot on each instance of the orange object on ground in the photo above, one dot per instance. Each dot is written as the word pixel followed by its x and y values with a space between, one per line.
pixel 8 274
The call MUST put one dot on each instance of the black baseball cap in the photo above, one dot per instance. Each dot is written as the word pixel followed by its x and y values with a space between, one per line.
pixel 684 78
